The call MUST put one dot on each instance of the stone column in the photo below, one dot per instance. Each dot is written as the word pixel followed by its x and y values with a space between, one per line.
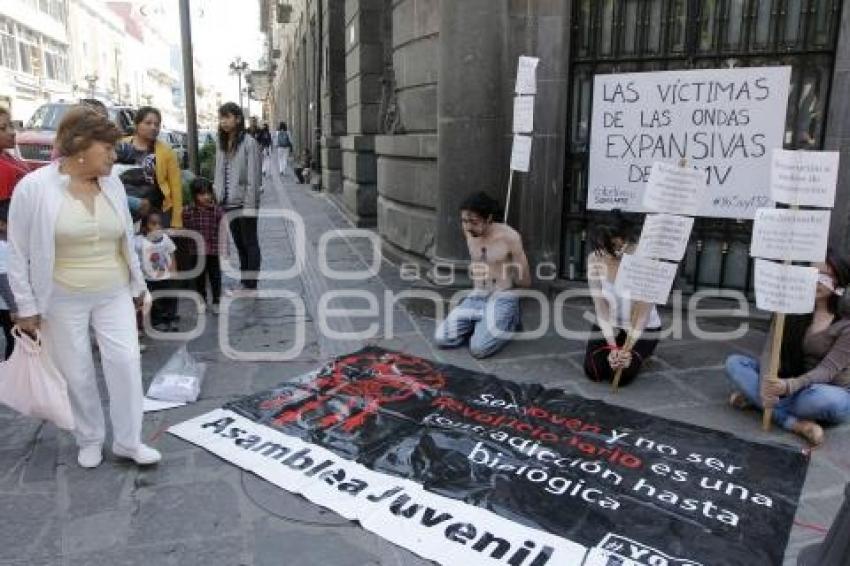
pixel 333 95
pixel 470 116
pixel 363 70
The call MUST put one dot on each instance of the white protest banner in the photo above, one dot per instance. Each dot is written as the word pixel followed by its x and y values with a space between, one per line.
pixel 526 75
pixel 664 236
pixel 521 153
pixel 724 122
pixel 788 289
pixel 523 114
pixel 673 190
pixel 804 178
pixel 790 235
pixel 645 280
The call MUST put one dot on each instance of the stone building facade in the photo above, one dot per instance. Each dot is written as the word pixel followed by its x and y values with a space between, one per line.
pixel 408 104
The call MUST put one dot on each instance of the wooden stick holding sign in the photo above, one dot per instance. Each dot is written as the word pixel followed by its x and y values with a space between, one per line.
pixel 526 89
pixel 798 178
pixel 673 192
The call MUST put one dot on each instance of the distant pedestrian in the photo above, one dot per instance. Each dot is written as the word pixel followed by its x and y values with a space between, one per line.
pixel 156 256
pixel 204 217
pixel 72 268
pixel 304 167
pixel 283 143
pixel 238 187
pixel 158 177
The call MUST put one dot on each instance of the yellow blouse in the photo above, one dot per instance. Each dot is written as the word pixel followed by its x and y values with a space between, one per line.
pixel 88 247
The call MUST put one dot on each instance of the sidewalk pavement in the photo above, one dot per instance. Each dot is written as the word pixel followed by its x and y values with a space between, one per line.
pixel 195 509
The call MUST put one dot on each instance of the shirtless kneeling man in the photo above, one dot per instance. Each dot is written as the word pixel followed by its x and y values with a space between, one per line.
pixel 490 313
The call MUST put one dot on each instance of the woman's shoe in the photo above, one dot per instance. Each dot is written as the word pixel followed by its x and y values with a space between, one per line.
pixel 143 455
pixel 90 456
pixel 810 430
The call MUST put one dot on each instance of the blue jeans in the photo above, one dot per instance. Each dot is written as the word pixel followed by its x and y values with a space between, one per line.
pixel 484 319
pixel 821 402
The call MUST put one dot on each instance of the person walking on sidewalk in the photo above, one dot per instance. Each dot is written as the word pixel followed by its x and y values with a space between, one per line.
pixel 814 373
pixel 204 217
pixel 604 355
pixel 72 268
pixel 283 143
pixel 238 188
pixel 490 313
pixel 160 182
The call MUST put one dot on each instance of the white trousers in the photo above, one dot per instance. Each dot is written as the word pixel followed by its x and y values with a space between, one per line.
pixel 65 331
pixel 282 159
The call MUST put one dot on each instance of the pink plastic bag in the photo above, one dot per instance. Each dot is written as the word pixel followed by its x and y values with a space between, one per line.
pixel 31 384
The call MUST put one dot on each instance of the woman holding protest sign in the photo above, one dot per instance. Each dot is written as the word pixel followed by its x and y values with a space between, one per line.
pixel 616 316
pixel 814 373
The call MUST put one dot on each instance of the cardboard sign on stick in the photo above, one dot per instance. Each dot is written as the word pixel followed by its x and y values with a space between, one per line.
pixel 665 236
pixel 645 280
pixel 790 235
pixel 804 178
pixel 782 288
pixel 673 190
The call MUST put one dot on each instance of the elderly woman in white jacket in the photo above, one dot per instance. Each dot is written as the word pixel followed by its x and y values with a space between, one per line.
pixel 72 267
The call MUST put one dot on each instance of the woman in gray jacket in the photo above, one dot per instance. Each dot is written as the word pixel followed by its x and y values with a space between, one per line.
pixel 238 187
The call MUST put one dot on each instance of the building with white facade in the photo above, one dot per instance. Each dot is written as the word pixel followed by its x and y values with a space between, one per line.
pixel 34 54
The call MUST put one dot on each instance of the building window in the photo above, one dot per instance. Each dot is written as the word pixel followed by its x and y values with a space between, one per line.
pixel 56 61
pixel 53 8
pixel 8 55
pixel 30 52
pixel 621 36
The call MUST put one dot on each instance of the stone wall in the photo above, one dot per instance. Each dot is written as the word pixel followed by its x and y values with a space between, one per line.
pixel 407 152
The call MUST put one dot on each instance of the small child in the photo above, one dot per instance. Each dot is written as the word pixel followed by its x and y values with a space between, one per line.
pixel 204 217
pixel 7 299
pixel 156 255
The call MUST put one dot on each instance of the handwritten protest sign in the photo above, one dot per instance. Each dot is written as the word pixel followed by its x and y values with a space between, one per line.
pixel 783 288
pixel 722 121
pixel 521 153
pixel 526 75
pixel 792 235
pixel 673 190
pixel 804 178
pixel 523 114
pixel 664 236
pixel 645 280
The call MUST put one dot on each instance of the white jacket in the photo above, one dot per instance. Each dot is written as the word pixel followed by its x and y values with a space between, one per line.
pixel 35 208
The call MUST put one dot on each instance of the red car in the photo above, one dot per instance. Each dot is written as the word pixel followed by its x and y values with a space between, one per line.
pixel 35 141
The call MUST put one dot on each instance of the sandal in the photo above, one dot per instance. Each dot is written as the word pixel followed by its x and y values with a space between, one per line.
pixel 738 401
pixel 809 430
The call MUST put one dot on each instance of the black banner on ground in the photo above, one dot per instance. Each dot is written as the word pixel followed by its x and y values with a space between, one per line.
pixel 462 466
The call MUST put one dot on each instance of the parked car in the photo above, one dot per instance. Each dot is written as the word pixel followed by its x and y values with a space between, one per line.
pixel 35 141
pixel 205 137
pixel 179 142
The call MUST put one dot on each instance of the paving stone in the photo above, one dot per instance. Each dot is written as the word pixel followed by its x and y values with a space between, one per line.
pixel 97 532
pixel 92 491
pixel 22 516
pixel 219 551
pixel 306 547
pixel 177 513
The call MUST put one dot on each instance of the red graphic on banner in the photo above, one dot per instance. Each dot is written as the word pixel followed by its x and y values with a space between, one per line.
pixel 350 390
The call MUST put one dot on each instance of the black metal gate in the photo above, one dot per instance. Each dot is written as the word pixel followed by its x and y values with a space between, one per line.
pixel 622 36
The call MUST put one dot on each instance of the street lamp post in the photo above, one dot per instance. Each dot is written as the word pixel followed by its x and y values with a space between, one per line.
pixel 239 68
pixel 92 80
